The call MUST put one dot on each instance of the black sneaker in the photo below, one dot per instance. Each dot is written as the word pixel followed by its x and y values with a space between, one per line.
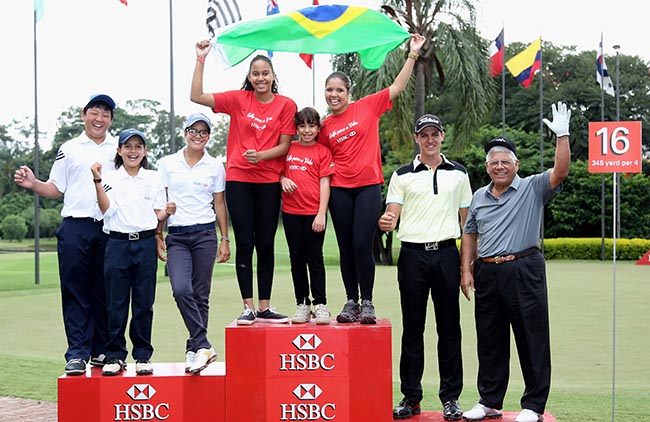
pixel 247 317
pixel 113 367
pixel 368 312
pixel 75 367
pixel 452 411
pixel 351 312
pixel 406 409
pixel 99 360
pixel 269 315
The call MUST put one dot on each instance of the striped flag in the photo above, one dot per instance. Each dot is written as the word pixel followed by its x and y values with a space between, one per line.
pixel 221 13
pixel 527 63
pixel 602 76
pixel 496 55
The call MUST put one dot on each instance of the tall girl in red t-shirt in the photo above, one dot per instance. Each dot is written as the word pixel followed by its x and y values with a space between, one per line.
pixel 352 133
pixel 261 128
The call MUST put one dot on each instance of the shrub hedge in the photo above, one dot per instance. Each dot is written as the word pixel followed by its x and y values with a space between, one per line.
pixel 590 248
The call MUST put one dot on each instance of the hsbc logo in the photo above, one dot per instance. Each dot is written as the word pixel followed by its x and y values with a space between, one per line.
pixel 307 391
pixel 141 392
pixel 141 411
pixel 307 411
pixel 306 342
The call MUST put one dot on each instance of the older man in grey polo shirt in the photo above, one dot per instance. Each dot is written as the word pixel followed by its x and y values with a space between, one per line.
pixel 502 264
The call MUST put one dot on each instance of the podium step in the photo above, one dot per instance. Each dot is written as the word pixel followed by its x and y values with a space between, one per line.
pixel 437 417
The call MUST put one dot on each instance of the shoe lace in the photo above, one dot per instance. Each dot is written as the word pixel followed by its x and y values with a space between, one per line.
pixel 321 311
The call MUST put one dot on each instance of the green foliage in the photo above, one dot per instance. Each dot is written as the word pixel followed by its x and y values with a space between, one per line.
pixel 591 248
pixel 15 203
pixel 13 227
pixel 49 221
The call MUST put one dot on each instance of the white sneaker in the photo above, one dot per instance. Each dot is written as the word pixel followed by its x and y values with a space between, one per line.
pixel 143 367
pixel 528 415
pixel 302 315
pixel 322 314
pixel 480 412
pixel 189 360
pixel 203 358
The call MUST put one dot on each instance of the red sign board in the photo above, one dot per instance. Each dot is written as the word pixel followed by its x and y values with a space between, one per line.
pixel 614 147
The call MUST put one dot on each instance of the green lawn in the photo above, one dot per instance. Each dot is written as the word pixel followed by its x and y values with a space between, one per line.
pixel 580 294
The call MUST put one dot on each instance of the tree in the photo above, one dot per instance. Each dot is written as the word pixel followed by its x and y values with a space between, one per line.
pixel 13 227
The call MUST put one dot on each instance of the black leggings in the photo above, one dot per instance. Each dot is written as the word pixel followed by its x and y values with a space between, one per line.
pixel 254 210
pixel 355 212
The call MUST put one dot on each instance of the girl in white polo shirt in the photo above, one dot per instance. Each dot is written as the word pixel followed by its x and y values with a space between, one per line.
pixel 132 200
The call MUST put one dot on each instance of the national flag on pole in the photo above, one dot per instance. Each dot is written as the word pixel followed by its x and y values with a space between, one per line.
pixel 38 10
pixel 602 76
pixel 221 13
pixel 527 63
pixel 309 58
pixel 496 55
pixel 272 8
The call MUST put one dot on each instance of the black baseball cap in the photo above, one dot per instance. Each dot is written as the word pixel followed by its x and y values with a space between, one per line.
pixel 101 98
pixel 128 134
pixel 428 120
pixel 501 142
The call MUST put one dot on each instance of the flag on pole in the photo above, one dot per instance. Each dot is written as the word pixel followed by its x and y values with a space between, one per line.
pixel 309 58
pixel 221 13
pixel 496 55
pixel 602 76
pixel 527 63
pixel 272 8
pixel 38 10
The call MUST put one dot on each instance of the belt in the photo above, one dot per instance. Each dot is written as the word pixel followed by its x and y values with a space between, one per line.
pixel 190 229
pixel 506 258
pixel 430 246
pixel 132 236
pixel 94 220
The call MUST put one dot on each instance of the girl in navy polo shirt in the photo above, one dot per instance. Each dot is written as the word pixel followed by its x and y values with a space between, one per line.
pixel 132 200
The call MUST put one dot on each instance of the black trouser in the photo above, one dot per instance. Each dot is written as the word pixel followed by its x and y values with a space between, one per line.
pixel 81 245
pixel 513 294
pixel 419 274
pixel 254 210
pixel 355 212
pixel 305 252
pixel 130 275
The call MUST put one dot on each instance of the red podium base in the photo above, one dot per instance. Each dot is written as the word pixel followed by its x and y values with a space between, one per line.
pixel 298 372
pixel 437 417
pixel 169 394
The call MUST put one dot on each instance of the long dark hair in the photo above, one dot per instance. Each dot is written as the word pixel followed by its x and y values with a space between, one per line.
pixel 248 86
pixel 307 115
pixel 119 161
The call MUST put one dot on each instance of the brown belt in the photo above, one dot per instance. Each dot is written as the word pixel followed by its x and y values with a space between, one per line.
pixel 506 258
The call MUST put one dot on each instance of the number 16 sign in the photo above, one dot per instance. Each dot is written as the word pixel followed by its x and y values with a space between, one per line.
pixel 614 147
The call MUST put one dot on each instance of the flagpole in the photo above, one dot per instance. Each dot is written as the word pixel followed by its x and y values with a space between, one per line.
pixel 313 80
pixel 602 175
pixel 172 122
pixel 503 84
pixel 37 219
pixel 541 122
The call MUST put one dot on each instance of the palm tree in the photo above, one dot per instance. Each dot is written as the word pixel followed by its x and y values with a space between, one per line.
pixel 453 61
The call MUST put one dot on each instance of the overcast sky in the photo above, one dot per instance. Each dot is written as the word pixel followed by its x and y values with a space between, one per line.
pixel 101 46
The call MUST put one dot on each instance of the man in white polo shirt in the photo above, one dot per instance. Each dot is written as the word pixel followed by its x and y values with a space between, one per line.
pixel 81 243
pixel 429 197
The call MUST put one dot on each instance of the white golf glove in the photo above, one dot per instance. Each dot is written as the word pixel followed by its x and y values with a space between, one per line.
pixel 561 117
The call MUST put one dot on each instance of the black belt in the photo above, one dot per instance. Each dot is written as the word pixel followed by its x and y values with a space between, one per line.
pixel 190 229
pixel 133 236
pixel 94 220
pixel 500 259
pixel 430 246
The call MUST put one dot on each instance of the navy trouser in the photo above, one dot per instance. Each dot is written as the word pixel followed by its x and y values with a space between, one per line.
pixel 130 275
pixel 421 273
pixel 81 245
pixel 513 294
pixel 254 210
pixel 190 261
pixel 355 212
pixel 305 252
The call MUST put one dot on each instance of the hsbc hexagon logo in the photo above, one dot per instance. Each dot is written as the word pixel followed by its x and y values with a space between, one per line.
pixel 307 391
pixel 141 392
pixel 306 342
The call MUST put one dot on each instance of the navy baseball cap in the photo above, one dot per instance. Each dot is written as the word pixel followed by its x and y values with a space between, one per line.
pixel 501 142
pixel 128 134
pixel 197 117
pixel 101 98
pixel 428 120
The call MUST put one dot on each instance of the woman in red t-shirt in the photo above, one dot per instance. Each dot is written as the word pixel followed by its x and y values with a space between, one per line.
pixel 352 133
pixel 261 128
